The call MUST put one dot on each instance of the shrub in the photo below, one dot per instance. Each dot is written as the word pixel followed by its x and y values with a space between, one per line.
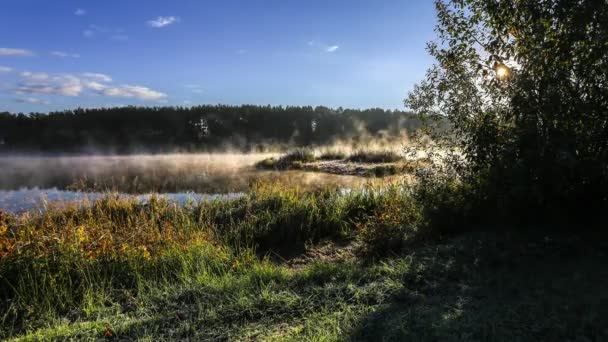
pixel 526 114
pixel 395 220
pixel 301 155
pixel 267 164
pixel 332 155
pixel 291 160
pixel 374 157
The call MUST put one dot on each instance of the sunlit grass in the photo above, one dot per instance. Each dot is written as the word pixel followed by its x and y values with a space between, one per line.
pixel 223 270
pixel 80 257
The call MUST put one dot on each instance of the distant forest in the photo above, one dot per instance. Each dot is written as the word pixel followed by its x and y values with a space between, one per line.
pixel 200 128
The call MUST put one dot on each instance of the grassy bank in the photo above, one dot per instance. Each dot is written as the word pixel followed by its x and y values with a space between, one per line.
pixel 372 163
pixel 285 264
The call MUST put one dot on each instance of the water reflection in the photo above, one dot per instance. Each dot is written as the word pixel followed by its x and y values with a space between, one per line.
pixel 27 183
pixel 20 201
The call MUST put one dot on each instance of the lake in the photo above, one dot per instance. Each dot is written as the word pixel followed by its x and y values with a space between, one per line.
pixel 31 182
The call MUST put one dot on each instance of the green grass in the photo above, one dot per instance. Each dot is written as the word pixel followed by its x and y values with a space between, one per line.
pixel 233 270
pixel 459 289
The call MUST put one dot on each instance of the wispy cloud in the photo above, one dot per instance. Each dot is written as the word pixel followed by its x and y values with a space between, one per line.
pixel 195 88
pixel 97 76
pixel 78 84
pixel 63 54
pixel 163 21
pixel 15 52
pixel 143 93
pixel 324 47
pixel 80 11
pixel 5 69
pixel 35 76
pixel 32 100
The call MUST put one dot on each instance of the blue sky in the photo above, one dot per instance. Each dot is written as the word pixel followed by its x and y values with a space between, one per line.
pixel 90 53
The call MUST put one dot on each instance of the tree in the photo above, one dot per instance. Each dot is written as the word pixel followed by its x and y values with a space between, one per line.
pixel 524 85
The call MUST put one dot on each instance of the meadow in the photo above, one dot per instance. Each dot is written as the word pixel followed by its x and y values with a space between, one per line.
pixel 493 229
pixel 290 262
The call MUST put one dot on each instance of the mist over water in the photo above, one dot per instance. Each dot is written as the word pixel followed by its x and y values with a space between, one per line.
pixel 28 182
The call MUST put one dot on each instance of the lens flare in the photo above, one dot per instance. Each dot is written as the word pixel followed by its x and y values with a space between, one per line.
pixel 502 72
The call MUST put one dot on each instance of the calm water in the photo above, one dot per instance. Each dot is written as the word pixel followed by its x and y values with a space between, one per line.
pixel 19 201
pixel 29 183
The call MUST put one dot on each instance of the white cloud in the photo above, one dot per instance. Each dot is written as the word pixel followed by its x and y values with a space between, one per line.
pixel 88 33
pixel 63 54
pixel 80 11
pixel 5 69
pixel 95 85
pixel 143 93
pixel 35 76
pixel 332 48
pixel 85 83
pixel 32 100
pixel 14 52
pixel 163 21
pixel 97 76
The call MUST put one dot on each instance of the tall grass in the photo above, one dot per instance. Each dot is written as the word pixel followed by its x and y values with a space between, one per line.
pixel 374 157
pixel 72 262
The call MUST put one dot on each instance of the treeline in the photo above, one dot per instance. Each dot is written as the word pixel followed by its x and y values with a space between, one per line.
pixel 201 128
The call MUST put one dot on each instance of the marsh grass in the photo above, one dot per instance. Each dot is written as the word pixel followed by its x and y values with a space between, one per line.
pixel 78 262
pixel 221 271
pixel 332 155
pixel 371 163
pixel 363 156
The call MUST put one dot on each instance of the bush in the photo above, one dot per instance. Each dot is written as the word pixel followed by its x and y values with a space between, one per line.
pixel 374 157
pixel 267 164
pixel 291 160
pixel 332 155
pixel 396 220
pixel 527 116
pixel 301 155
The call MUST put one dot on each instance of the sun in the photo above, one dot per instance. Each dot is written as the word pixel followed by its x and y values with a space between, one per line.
pixel 502 72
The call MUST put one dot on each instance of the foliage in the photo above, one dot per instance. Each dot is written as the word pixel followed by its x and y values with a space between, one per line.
pixel 291 160
pixel 80 257
pixel 396 220
pixel 523 86
pixel 200 128
pixel 374 157
pixel 332 155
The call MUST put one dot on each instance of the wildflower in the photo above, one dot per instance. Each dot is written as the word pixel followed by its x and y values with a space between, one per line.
pixel 144 252
pixel 80 233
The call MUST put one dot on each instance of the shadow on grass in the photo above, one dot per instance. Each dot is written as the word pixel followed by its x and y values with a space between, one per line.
pixel 482 286
pixel 490 288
